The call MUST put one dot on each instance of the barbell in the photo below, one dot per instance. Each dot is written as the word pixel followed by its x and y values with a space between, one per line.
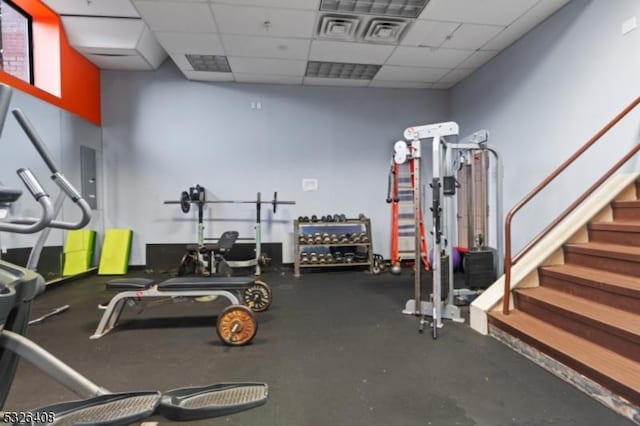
pixel 196 196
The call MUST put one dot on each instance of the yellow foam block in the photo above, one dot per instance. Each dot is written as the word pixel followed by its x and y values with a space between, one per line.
pixel 76 262
pixel 81 239
pixel 116 249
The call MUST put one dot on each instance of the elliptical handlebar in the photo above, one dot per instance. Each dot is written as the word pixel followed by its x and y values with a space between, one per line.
pixel 30 181
pixel 29 225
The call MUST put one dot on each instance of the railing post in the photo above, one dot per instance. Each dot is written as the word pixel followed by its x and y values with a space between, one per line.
pixel 508 261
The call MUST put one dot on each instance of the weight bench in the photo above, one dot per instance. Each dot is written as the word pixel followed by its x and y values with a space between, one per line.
pixel 236 324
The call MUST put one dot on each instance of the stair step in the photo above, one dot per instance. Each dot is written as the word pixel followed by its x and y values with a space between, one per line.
pixel 613 371
pixel 625 232
pixel 614 328
pixel 621 291
pixel 626 210
pixel 605 256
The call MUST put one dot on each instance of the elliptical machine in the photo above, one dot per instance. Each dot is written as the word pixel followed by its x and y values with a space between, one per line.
pixel 20 286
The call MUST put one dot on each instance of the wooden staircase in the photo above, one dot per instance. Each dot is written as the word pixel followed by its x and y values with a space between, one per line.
pixel 586 312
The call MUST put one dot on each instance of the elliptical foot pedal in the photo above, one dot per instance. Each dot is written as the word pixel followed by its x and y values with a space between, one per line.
pixel 119 409
pixel 211 401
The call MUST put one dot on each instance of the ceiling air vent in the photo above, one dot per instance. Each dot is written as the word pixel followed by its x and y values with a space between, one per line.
pixel 382 30
pixel 341 70
pixel 338 27
pixel 213 63
pixel 400 8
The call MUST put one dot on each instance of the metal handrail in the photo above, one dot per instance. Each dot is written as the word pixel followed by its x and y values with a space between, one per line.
pixel 508 260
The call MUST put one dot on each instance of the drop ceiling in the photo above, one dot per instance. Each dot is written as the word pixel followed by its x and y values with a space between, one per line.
pixel 361 43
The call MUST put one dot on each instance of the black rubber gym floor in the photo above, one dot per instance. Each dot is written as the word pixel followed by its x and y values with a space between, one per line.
pixel 334 349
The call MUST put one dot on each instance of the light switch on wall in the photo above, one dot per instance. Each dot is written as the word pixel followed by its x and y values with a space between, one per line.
pixel 309 185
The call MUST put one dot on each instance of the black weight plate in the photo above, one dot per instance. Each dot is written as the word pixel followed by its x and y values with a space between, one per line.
pixel 258 297
pixel 185 202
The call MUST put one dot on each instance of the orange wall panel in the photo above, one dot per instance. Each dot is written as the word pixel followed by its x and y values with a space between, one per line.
pixel 63 76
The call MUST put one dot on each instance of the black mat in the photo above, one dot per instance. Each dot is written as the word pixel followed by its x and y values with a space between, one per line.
pixel 334 349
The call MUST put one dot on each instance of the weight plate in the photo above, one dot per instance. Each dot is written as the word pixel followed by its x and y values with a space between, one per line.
pixel 185 202
pixel 258 297
pixel 236 325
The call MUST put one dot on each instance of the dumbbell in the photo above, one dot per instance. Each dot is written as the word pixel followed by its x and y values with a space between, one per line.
pixel 314 218
pixel 329 258
pixel 349 257
pixel 317 238
pixel 313 257
pixel 362 217
pixel 334 239
pixel 304 257
pixel 338 257
pixel 326 239
pixel 322 258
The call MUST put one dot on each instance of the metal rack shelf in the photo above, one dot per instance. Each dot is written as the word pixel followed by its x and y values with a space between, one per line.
pixel 364 225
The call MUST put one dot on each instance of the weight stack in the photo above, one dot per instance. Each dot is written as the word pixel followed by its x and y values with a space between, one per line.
pixel 427 282
pixel 479 269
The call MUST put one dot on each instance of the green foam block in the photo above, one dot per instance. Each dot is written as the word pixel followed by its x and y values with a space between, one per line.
pixel 116 249
pixel 76 262
pixel 81 239
pixel 78 251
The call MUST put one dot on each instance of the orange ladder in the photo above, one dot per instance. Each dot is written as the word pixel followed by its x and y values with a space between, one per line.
pixel 403 216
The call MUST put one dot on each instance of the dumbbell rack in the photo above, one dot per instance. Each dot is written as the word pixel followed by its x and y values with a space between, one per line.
pixel 361 225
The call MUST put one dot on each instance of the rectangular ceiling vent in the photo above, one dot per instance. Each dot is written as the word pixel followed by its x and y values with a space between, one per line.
pixel 397 8
pixel 211 63
pixel 381 30
pixel 338 27
pixel 341 70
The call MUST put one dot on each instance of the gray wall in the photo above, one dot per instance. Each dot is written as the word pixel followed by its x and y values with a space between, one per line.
pixel 162 133
pixel 548 94
pixel 63 133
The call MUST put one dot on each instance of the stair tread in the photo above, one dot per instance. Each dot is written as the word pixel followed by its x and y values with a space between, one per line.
pixel 615 366
pixel 605 315
pixel 618 250
pixel 618 225
pixel 622 283
pixel 627 203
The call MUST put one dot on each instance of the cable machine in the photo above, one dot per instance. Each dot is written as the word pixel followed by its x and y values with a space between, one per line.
pixel 447 157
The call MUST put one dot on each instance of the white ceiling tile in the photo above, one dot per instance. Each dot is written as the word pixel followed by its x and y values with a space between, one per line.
pixel 193 43
pixel 490 12
pixel 93 8
pixel 267 78
pixel 428 33
pixel 317 81
pixel 525 23
pixel 400 84
pixel 208 76
pixel 339 51
pixel 478 58
pixel 285 4
pixel 263 47
pixel 251 21
pixel 442 86
pixel 149 48
pixel 472 36
pixel 422 75
pixel 124 62
pixel 427 57
pixel 456 75
pixel 176 16
pixel 181 62
pixel 267 66
pixel 89 32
